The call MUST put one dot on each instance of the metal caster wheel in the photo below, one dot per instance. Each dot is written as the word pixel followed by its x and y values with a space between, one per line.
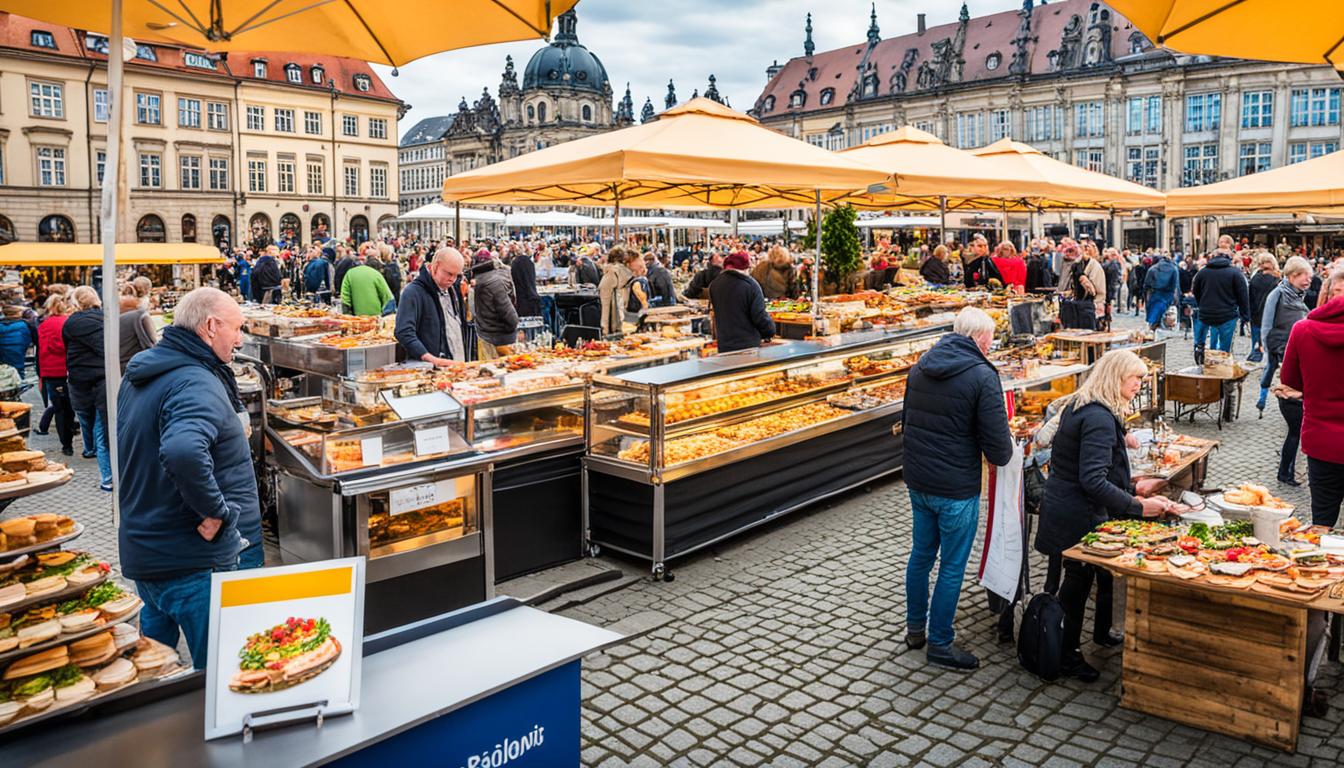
pixel 660 573
pixel 594 550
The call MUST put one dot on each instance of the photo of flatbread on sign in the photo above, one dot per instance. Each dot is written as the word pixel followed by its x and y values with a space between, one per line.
pixel 285 655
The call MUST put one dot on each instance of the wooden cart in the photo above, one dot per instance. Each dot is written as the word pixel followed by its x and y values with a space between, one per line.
pixel 1191 391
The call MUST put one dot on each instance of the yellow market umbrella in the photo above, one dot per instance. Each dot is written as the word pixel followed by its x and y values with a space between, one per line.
pixel 1314 186
pixel 1302 31
pixel 1066 186
pixel 700 154
pixel 391 32
pixel 91 254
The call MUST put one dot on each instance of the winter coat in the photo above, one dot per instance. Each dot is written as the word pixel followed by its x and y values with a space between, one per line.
pixel 738 307
pixel 978 272
pixel 136 334
pixel 16 336
pixel 364 291
pixel 614 293
pixel 954 414
pixel 1284 307
pixel 1161 280
pixel 83 336
pixel 1039 274
pixel 1311 366
pixel 1013 270
pixel 420 319
pixel 700 281
pixel 496 319
pixel 1261 284
pixel 1114 273
pixel 317 276
pixel 586 272
pixel 266 280
pixel 1089 479
pixel 934 271
pixel 184 458
pixel 776 283
pixel 1221 292
pixel 662 292
pixel 51 348
pixel 345 264
pixel 392 274
pixel 524 273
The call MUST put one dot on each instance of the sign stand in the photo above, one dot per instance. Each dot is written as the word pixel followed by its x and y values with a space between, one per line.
pixel 292 714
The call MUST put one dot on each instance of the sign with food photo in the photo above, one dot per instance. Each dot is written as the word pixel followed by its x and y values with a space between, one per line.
pixel 286 638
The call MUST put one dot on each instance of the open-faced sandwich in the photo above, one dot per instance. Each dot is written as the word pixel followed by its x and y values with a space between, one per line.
pixel 285 655
pixel 72 685
pixel 115 675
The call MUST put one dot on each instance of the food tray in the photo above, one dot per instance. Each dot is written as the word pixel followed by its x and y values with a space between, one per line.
pixel 41 546
pixel 1218 501
pixel 163 676
pixel 28 490
pixel 64 594
pixel 63 639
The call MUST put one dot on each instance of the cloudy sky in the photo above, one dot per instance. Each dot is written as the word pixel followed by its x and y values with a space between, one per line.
pixel 646 43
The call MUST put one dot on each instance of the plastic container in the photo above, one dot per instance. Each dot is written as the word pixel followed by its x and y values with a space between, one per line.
pixel 1266 524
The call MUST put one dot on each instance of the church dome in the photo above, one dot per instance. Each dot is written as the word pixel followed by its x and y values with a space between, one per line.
pixel 565 63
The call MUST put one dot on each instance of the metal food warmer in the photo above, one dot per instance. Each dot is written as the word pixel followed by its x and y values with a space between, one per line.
pixel 684 455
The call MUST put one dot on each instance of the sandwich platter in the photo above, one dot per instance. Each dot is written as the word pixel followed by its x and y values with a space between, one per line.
pixel 49 480
pixel 67 637
pixel 68 592
pixel 42 545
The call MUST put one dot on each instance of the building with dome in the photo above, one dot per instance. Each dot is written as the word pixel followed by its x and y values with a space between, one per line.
pixel 565 94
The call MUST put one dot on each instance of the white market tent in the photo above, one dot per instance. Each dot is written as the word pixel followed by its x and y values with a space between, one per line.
pixel 548 219
pixel 441 212
pixel 898 222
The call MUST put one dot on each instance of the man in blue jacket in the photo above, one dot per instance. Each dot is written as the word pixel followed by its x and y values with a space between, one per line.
pixel 317 275
pixel 1223 296
pixel 954 415
pixel 187 489
pixel 1162 283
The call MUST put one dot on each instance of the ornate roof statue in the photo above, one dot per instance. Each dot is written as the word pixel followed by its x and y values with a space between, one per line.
pixel 670 100
pixel 712 92
pixel 508 83
pixel 646 114
pixel 808 45
pixel 874 34
pixel 625 110
pixel 1022 41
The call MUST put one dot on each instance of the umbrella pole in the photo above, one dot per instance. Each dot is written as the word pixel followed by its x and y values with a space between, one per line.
pixel 616 222
pixel 110 215
pixel 942 219
pixel 816 267
pixel 457 224
pixel 732 215
pixel 1005 220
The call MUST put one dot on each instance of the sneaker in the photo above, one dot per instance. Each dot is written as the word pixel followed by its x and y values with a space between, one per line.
pixel 1078 668
pixel 952 657
pixel 106 486
pixel 89 455
pixel 915 639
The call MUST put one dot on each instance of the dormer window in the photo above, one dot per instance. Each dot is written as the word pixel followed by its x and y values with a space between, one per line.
pixel 197 60
pixel 1138 43
pixel 317 74
pixel 96 43
pixel 363 83
pixel 797 98
pixel 259 69
pixel 827 96
pixel 768 105
pixel 42 39
pixel 993 60
pixel 293 74
pixel 145 53
pixel 869 86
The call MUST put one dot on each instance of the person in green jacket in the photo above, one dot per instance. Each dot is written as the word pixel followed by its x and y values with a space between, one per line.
pixel 364 291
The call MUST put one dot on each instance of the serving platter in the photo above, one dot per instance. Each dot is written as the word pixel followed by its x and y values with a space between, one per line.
pixel 66 638
pixel 42 546
pixel 64 594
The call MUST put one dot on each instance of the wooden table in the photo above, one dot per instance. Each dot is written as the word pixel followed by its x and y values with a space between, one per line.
pixel 1232 661
pixel 1195 464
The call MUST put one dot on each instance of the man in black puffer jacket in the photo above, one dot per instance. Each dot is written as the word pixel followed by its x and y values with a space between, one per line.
pixel 954 414
pixel 1223 296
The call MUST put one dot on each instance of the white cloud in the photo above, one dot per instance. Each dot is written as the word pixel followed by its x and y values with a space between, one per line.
pixel 646 43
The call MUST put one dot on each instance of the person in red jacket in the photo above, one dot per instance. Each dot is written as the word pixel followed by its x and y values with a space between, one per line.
pixel 1011 266
pixel 1311 366
pixel 51 368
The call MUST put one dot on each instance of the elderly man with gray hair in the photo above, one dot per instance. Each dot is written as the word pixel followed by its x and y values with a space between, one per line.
pixel 954 415
pixel 187 489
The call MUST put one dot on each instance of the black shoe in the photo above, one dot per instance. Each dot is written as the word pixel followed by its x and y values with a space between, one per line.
pixel 41 432
pixel 1078 668
pixel 1315 702
pixel 1108 640
pixel 915 639
pixel 952 657
pixel 68 451
pixel 1290 481
pixel 88 455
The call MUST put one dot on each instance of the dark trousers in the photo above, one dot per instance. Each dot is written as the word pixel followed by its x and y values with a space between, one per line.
pixel 1267 378
pixel 1325 479
pixel 1073 592
pixel 1291 409
pixel 58 394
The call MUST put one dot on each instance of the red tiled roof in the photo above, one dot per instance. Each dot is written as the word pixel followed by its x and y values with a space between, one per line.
pixel 838 68
pixel 338 70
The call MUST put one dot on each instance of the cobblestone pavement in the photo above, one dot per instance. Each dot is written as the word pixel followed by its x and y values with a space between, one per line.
pixel 782 647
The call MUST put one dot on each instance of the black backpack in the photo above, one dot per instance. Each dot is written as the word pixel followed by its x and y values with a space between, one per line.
pixel 1040 639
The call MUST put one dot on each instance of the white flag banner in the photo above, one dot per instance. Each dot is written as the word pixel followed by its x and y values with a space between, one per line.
pixel 1004 550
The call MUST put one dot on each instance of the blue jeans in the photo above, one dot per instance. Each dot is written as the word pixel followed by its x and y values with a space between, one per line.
pixel 1220 335
pixel 944 529
pixel 93 425
pixel 180 604
pixel 1157 309
pixel 1257 354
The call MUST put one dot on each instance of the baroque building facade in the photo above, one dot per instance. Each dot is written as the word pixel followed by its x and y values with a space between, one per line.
pixel 252 147
pixel 1075 80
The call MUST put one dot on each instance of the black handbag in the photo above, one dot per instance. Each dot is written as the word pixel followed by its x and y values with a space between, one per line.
pixel 1040 640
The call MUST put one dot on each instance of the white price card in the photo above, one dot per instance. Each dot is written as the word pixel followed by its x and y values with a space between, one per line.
pixel 413 497
pixel 431 441
pixel 371 451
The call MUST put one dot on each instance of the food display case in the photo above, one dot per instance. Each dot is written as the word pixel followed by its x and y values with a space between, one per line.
pixel 683 455
pixel 309 355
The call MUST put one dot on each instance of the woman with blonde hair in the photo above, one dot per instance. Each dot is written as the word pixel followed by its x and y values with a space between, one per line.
pixel 1089 484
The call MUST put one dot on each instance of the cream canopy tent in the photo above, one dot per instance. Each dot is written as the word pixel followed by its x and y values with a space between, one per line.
pixel 1314 186
pixel 548 219
pixel 91 254
pixel 1051 184
pixel 441 212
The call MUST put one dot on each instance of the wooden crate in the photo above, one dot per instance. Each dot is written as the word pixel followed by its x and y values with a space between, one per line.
pixel 1223 662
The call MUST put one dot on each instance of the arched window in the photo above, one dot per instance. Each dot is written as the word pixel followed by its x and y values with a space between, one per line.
pixel 55 229
pixel 321 227
pixel 541 111
pixel 7 233
pixel 259 226
pixel 221 230
pixel 768 105
pixel 291 229
pixel 150 229
pixel 587 114
pixel 531 113
pixel 188 228
pixel 359 228
pixel 827 96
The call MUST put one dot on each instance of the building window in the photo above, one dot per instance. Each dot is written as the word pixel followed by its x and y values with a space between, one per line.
pixel 197 60
pixel 317 73
pixel 256 118
pixel 1254 157
pixel 587 114
pixel 352 181
pixel 377 128
pixel 541 111
pixel 1000 124
pixel 1088 119
pixel 217 115
pixel 993 60
pixel 312 123
pixel 191 171
pixel 284 171
pixel 150 229
pixel 315 181
pixel 51 166
pixel 41 39
pixel 970 130
pixel 293 74
pixel 188 228
pixel 363 83
pixel 1141 165
pixel 100 165
pixel 531 113
pixel 827 96
pixel 145 53
pixel 1043 124
pixel 256 175
pixel 1309 150
pixel 219 174
pixel 147 108
pixel 1091 159
pixel 189 113
pixel 1203 111
pixel 55 229
pixel 47 99
pixel 1200 165
pixel 349 125
pixel 797 98
pixel 259 68
pixel 151 170
pixel 284 120
pixel 1314 106
pixel 96 43
pixel 377 181
pixel 1257 109
pixel 1144 115
pixel 102 108
pixel 768 105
